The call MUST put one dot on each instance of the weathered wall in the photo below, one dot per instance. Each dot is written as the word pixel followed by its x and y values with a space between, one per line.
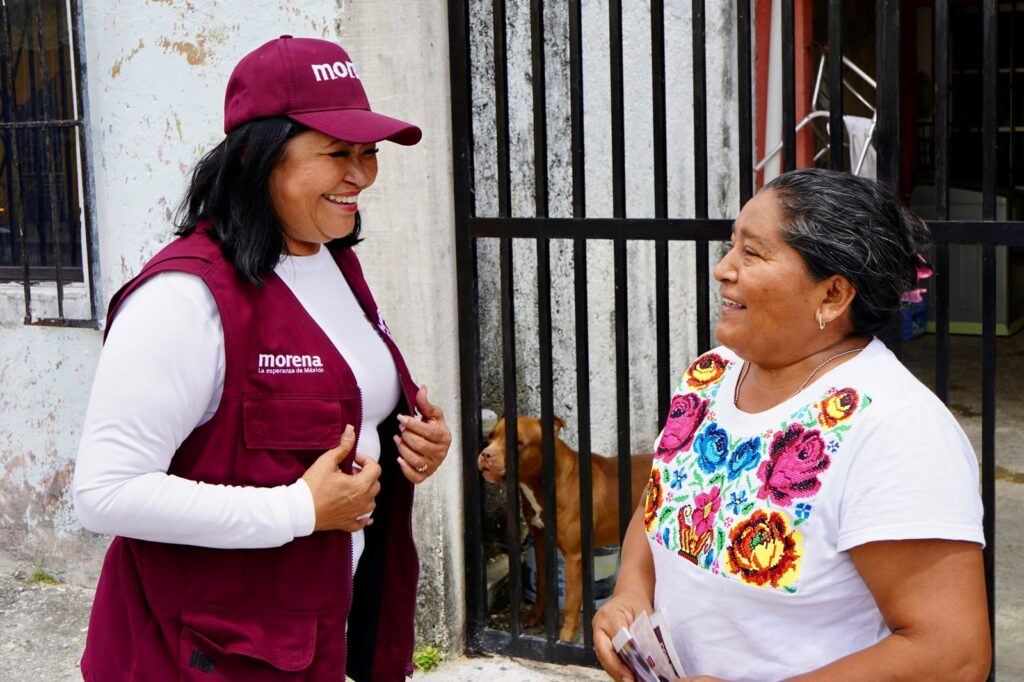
pixel 156 77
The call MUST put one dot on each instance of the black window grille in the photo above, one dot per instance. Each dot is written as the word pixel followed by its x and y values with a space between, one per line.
pixel 45 241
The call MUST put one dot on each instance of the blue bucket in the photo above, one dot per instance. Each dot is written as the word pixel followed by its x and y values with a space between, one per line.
pixel 606 566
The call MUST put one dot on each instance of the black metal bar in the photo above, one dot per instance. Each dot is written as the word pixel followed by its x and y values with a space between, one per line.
pixel 990 101
pixel 835 85
pixel 15 163
pixel 941 128
pixel 80 74
pixel 511 413
pixel 940 288
pixel 700 173
pixel 65 322
pixel 579 179
pixel 38 273
pixel 744 94
pixel 887 52
pixel 940 159
pixel 51 171
pixel 621 267
pixel 540 123
pixel 1000 233
pixel 788 86
pixel 540 165
pixel 536 648
pixel 581 321
pixel 501 108
pixel 685 229
pixel 56 123
pixel 469 318
pixel 547 413
pixel 661 299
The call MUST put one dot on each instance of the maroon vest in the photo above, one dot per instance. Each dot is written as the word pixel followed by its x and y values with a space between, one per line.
pixel 179 612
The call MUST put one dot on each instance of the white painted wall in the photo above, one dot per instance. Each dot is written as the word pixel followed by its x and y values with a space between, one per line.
pixel 155 84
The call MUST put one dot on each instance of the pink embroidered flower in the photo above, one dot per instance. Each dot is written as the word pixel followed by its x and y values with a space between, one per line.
pixel 795 459
pixel 685 414
pixel 705 507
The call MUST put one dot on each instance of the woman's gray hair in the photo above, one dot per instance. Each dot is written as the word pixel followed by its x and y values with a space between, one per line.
pixel 845 225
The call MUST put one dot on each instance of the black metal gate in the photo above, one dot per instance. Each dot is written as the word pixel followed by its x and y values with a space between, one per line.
pixel 971 114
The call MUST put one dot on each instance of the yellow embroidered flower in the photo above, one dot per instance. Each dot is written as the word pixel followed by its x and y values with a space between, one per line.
pixel 837 407
pixel 705 370
pixel 764 551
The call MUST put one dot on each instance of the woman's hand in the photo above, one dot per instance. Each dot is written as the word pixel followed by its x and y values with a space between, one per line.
pixel 423 443
pixel 343 501
pixel 618 612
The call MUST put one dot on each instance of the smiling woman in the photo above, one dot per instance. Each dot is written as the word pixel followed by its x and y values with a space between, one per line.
pixel 315 189
pixel 252 436
pixel 830 526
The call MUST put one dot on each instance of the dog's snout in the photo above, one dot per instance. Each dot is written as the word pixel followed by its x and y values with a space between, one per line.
pixel 487 454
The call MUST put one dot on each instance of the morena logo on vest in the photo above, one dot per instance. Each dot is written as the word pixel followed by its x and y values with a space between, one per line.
pixel 270 363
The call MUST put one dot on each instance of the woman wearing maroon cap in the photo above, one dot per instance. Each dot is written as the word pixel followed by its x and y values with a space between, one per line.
pixel 252 437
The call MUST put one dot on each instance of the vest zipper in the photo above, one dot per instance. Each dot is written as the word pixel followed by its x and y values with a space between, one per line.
pixel 351 548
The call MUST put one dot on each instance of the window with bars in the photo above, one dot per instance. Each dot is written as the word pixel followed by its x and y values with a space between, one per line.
pixel 44 237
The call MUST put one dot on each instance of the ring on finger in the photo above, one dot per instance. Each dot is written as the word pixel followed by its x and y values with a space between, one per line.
pixel 420 470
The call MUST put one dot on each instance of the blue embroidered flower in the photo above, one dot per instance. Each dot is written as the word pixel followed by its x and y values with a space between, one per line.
pixel 803 510
pixel 711 446
pixel 678 476
pixel 744 457
pixel 709 558
pixel 665 536
pixel 737 501
pixel 832 446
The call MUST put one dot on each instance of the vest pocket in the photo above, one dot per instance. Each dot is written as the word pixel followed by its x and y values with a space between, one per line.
pixel 297 423
pixel 245 646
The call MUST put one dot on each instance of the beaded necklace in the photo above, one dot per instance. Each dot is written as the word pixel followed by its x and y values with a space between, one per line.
pixel 747 368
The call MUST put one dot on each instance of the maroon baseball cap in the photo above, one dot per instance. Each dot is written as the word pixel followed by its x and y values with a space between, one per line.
pixel 314 83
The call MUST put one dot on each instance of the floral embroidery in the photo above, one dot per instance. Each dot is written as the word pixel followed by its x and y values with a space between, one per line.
pixel 764 551
pixel 796 458
pixel 737 501
pixel 837 407
pixel 654 499
pixel 678 477
pixel 743 458
pixel 712 447
pixel 705 370
pixel 685 414
pixel 691 542
pixel 705 507
pixel 731 502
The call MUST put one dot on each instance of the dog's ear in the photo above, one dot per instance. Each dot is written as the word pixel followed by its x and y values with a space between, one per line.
pixel 559 424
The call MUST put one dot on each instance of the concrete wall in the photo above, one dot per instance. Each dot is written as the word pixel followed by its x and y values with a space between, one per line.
pixel 156 77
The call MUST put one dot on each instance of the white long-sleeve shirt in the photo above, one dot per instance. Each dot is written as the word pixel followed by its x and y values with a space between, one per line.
pixel 161 375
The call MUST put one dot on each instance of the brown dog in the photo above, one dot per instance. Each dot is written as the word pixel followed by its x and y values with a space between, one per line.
pixel 605 483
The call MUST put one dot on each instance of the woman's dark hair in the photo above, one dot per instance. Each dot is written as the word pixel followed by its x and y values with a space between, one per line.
pixel 230 187
pixel 845 225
